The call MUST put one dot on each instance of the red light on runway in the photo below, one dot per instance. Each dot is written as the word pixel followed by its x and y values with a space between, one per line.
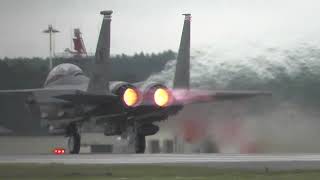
pixel 59 151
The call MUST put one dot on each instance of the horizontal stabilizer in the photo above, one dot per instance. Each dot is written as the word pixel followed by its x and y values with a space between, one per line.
pixel 200 96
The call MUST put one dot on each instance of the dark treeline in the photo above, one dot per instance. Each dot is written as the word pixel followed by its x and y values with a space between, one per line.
pixel 20 73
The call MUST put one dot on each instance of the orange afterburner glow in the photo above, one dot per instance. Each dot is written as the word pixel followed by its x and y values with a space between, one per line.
pixel 130 97
pixel 161 97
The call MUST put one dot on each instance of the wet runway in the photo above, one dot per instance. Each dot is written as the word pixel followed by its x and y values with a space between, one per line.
pixel 237 161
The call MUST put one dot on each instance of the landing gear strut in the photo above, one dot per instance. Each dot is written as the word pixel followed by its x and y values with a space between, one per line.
pixel 136 141
pixel 74 139
pixel 140 144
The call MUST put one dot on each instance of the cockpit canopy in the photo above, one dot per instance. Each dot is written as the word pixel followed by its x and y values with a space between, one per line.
pixel 63 70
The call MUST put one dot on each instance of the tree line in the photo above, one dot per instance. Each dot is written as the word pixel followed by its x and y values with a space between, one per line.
pixel 18 73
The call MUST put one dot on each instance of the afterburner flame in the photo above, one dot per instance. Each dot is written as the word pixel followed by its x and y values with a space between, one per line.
pixel 161 97
pixel 130 97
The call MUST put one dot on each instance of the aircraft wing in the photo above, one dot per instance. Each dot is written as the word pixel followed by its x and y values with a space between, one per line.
pixel 201 96
pixel 88 98
pixel 41 95
pixel 35 91
pixel 69 95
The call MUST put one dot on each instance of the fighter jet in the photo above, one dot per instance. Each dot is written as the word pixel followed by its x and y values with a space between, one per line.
pixel 69 99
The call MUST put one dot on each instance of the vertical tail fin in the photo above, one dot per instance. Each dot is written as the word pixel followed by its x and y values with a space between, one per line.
pixel 99 81
pixel 182 74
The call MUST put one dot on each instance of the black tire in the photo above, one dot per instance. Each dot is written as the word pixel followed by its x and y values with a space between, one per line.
pixel 74 143
pixel 140 144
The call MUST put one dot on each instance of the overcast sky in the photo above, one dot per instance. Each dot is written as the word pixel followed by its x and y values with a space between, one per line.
pixel 155 25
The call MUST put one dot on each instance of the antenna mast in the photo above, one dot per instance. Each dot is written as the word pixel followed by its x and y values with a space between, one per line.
pixel 51 31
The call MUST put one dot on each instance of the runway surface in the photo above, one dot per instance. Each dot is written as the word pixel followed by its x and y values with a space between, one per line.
pixel 237 161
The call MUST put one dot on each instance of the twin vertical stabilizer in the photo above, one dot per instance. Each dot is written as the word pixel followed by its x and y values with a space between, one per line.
pixel 99 81
pixel 182 73
pixel 100 77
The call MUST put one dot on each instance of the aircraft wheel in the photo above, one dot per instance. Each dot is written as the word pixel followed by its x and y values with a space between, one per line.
pixel 140 144
pixel 74 142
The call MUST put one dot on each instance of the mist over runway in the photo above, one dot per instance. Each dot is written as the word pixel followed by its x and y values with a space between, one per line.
pixel 234 161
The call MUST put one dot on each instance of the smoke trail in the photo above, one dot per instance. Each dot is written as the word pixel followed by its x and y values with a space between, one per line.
pixel 217 68
pixel 284 123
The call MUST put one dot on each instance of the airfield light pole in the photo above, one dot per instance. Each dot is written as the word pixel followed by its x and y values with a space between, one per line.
pixel 51 31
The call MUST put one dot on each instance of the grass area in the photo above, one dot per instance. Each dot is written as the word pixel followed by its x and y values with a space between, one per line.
pixel 135 172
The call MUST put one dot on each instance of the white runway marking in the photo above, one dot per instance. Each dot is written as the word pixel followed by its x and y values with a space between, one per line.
pixel 243 161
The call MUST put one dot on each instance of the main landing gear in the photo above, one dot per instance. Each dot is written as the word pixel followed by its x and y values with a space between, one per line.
pixel 140 145
pixel 136 141
pixel 136 135
pixel 74 139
